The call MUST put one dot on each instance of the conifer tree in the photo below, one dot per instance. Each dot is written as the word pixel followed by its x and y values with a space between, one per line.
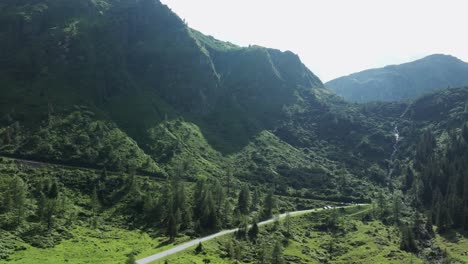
pixel 277 254
pixel 48 204
pixel 253 232
pixel 262 253
pixel 396 208
pixel 172 227
pixel 268 205
pixel 256 199
pixel 243 203
pixel 409 178
pixel 199 249
pixel 229 248
pixel 95 203
pixel 287 224
pixel 382 204
pixel 209 218
pixel 130 259
pixel 18 190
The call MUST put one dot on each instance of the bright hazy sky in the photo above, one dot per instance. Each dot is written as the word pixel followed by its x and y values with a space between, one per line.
pixel 336 37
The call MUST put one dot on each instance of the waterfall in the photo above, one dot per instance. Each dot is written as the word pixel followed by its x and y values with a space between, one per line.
pixel 396 133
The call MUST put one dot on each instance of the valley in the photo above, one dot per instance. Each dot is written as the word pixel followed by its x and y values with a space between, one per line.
pixel 127 136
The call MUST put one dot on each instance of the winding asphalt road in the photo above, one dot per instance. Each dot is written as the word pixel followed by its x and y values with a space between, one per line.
pixel 194 242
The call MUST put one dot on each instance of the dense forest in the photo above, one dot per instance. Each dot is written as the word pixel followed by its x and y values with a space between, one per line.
pixel 125 133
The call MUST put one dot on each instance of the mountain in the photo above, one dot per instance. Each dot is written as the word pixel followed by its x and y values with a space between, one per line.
pixel 117 120
pixel 104 100
pixel 402 82
pixel 129 59
pixel 127 85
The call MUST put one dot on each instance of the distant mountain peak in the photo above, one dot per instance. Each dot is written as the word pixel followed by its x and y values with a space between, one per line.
pixel 439 56
pixel 404 81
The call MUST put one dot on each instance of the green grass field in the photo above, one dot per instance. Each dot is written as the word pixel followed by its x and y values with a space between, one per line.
pixel 94 246
pixel 356 242
pixel 362 242
pixel 455 244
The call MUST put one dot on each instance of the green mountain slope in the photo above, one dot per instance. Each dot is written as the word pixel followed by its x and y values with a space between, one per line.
pixel 126 85
pixel 175 133
pixel 77 139
pixel 135 67
pixel 402 82
pixel 137 63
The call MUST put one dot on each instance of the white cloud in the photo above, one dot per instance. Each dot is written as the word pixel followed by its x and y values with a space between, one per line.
pixel 336 37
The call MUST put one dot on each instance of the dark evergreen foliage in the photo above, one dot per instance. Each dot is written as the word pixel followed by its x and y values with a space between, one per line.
pixel 119 112
pixel 444 179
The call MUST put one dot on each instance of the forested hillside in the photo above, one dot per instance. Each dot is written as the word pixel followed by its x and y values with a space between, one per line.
pixel 124 132
pixel 126 85
pixel 436 177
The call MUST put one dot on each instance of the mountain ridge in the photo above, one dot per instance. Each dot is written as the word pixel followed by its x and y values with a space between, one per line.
pixel 404 81
pixel 112 55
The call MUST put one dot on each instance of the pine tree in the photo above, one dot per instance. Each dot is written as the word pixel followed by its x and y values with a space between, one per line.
pixel 180 204
pixel 229 182
pixel 229 248
pixel 166 204
pixel 48 204
pixel 227 213
pixel 396 208
pixel 287 224
pixel 428 224
pixel 172 227
pixel 178 219
pixel 408 242
pixel 95 203
pixel 416 192
pixel 425 148
pixel 53 191
pixel 208 216
pixel 198 197
pixel 409 178
pixel 41 201
pixel 177 194
pixel 219 196
pixel 243 203
pixel 186 218
pixel 277 254
pixel 262 253
pixel 253 232
pixel 104 176
pixel 242 230
pixel 443 217
pixel 268 205
pixel 436 203
pixel 50 211
pixel 256 199
pixel 382 205
pixel 237 251
pixel 333 220
pixel 18 190
pixel 7 136
pixel 130 259
pixel 199 249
